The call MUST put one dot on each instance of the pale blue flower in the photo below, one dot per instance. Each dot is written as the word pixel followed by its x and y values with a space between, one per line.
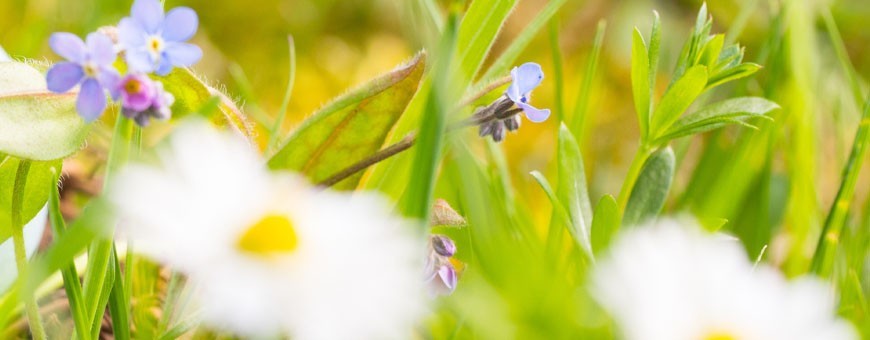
pixel 89 65
pixel 526 78
pixel 156 43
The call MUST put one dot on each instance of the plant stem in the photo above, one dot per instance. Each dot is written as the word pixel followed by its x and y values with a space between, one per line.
pixel 640 157
pixel 71 283
pixel 18 192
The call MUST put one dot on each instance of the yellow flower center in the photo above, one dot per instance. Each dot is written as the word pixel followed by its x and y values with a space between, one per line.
pixel 90 69
pixel 719 335
pixel 132 86
pixel 272 235
pixel 155 45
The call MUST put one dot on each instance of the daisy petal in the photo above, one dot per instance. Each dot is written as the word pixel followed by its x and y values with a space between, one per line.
pixel 180 24
pixel 534 114
pixel 182 54
pixel 67 45
pixel 91 101
pixel 149 14
pixel 63 77
pixel 101 49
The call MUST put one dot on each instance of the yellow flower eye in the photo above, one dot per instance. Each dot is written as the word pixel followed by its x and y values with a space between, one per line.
pixel 272 235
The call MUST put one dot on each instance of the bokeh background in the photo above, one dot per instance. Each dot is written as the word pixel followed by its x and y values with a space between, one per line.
pixel 343 43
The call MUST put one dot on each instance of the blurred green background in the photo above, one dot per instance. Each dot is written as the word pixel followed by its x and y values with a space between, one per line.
pixel 774 185
pixel 342 43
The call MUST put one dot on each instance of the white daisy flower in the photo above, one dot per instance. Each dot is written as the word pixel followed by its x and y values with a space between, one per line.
pixel 673 282
pixel 269 254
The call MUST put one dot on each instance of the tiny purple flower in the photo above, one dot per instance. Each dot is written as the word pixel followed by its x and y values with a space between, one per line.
pixel 440 270
pixel 526 78
pixel 89 65
pixel 443 245
pixel 143 99
pixel 156 43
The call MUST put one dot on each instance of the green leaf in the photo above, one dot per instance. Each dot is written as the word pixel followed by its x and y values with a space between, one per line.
pixel 651 189
pixel 477 33
pixel 713 116
pixel 640 82
pixel 34 123
pixel 192 94
pixel 572 191
pixel 350 128
pixel 710 53
pixel 39 185
pixel 678 98
pixel 734 73
pixel 655 41
pixel 521 41
pixel 605 223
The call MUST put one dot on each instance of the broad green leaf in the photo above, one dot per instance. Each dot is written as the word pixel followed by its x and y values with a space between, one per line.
pixel 734 73
pixel 731 111
pixel 192 94
pixel 640 82
pixel 649 193
pixel 34 123
pixel 571 190
pixel 518 44
pixel 605 223
pixel 352 127
pixel 678 98
pixel 477 33
pixel 710 53
pixel 36 191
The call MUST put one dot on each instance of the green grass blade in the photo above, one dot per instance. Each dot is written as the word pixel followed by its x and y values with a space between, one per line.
pixel 504 61
pixel 477 33
pixel 677 99
pixel 275 131
pixel 571 190
pixel 581 108
pixel 71 283
pixel 605 223
pixel 556 52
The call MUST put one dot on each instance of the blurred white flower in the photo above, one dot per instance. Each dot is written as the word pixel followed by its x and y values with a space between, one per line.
pixel 674 282
pixel 269 254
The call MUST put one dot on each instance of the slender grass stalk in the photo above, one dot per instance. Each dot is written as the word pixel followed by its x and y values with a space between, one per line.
pixel 33 318
pixel 581 109
pixel 101 275
pixel 71 283
pixel 557 70
pixel 119 306
pixel 640 157
pixel 829 238
pixel 285 103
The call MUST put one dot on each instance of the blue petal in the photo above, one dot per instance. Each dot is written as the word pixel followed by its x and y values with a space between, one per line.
pixel 180 24
pixel 91 101
pixel 149 14
pixel 534 114
pixel 164 68
pixel 68 45
pixel 525 79
pixel 182 54
pixel 139 60
pixel 101 49
pixel 63 77
pixel 131 35
pixel 110 80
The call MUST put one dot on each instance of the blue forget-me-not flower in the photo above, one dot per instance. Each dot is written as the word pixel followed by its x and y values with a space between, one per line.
pixel 89 65
pixel 156 43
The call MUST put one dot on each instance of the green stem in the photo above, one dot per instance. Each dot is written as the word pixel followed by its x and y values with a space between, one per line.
pixel 18 192
pixel 643 153
pixel 71 283
pixel 285 103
